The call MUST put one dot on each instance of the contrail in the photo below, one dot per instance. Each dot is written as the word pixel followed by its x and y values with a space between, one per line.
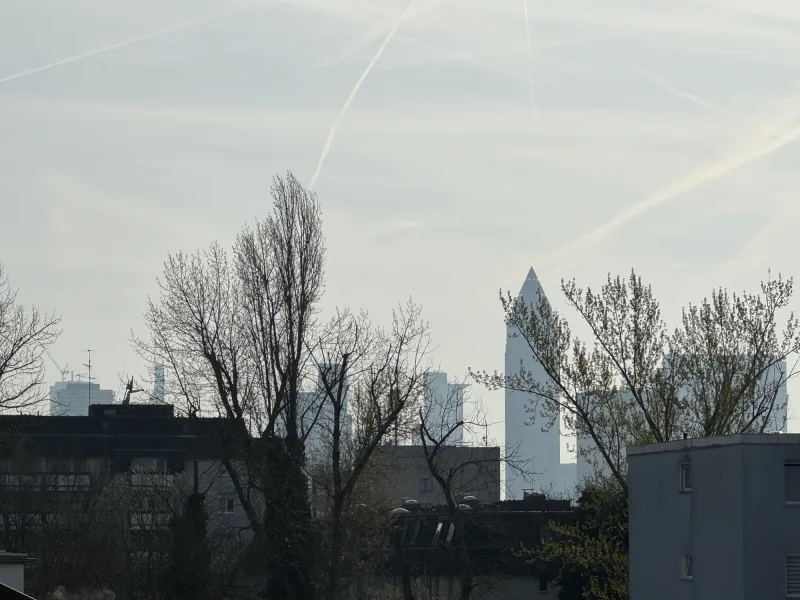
pixel 132 41
pixel 530 52
pixel 661 82
pixel 675 189
pixel 356 87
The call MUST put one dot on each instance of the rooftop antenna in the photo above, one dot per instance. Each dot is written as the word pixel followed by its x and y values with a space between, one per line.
pixel 89 376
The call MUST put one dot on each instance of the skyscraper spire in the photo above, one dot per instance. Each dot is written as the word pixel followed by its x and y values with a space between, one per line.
pixel 531 275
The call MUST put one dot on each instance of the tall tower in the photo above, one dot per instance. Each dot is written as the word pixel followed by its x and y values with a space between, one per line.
pixel 538 451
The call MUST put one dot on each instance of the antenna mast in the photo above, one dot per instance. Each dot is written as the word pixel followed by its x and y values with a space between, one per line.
pixel 89 377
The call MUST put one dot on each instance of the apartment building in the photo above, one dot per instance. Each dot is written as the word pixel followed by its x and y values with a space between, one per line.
pixel 51 465
pixel 715 518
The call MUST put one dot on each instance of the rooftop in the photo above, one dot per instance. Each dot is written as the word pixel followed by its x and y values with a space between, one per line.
pixel 710 442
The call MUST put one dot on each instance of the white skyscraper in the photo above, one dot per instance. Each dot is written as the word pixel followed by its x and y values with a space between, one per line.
pixel 525 440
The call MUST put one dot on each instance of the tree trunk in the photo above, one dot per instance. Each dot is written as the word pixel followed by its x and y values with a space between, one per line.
pixel 337 544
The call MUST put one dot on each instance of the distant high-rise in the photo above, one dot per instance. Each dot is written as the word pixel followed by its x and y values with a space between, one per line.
pixel 71 398
pixel 771 385
pixel 317 415
pixel 527 445
pixel 443 408
pixel 158 384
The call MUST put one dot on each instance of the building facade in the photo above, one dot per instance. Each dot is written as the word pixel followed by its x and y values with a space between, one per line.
pixel 72 398
pixel 402 473
pixel 50 466
pixel 715 518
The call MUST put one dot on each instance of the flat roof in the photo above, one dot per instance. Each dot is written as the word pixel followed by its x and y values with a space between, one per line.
pixel 719 440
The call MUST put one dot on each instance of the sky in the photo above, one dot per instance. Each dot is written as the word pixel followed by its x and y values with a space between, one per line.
pixel 452 144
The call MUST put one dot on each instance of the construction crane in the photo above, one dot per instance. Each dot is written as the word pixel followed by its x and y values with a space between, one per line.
pixel 63 370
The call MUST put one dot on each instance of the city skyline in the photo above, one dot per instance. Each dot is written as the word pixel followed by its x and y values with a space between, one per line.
pixel 461 161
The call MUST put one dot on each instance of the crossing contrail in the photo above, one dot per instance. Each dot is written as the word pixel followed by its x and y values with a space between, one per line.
pixel 356 87
pixel 132 41
pixel 696 179
pixel 530 52
pixel 663 83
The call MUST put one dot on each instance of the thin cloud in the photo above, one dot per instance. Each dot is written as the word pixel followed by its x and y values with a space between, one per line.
pixel 672 191
pixel 354 91
pixel 664 84
pixel 131 41
pixel 531 85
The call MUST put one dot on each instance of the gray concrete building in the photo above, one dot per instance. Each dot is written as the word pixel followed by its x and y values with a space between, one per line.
pixel 402 473
pixel 715 518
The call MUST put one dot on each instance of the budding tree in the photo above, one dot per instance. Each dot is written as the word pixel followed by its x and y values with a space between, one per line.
pixel 636 382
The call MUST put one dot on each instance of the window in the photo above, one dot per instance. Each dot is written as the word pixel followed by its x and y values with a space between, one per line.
pixel 450 531
pixel 415 533
pixel 543 584
pixel 425 484
pixel 686 476
pixel 793 575
pixel 791 475
pixel 546 534
pixel 687 569
pixel 226 505
pixel 437 534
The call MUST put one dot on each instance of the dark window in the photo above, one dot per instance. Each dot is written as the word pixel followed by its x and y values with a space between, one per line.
pixel 791 474
pixel 425 484
pixel 542 584
pixel 226 505
pixel 686 477
pixel 687 567
pixel 415 533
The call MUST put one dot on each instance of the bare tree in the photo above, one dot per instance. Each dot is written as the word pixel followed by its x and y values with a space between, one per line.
pixel 379 373
pixel 635 382
pixel 25 335
pixel 462 471
pixel 234 335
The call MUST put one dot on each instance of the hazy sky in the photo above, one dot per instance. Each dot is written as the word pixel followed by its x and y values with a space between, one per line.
pixel 605 135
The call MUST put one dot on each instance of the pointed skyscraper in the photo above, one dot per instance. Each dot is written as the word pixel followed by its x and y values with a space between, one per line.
pixel 525 440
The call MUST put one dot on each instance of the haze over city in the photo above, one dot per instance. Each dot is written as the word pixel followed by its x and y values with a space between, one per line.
pixel 452 145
